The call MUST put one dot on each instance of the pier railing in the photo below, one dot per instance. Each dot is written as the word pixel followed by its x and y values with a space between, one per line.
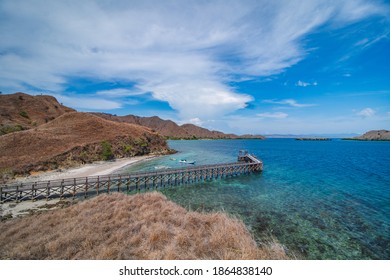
pixel 132 182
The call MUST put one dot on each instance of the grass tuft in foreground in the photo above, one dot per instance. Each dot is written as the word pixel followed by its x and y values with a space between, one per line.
pixel 118 226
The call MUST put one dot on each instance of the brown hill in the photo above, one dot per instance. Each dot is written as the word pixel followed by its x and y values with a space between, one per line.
pixel 374 135
pixel 200 132
pixel 171 130
pixel 75 138
pixel 20 111
pixel 118 226
pixel 166 128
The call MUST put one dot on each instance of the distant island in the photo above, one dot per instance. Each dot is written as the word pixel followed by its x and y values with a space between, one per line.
pixel 372 135
pixel 313 139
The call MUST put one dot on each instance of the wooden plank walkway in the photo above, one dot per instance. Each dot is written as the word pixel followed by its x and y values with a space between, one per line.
pixel 132 182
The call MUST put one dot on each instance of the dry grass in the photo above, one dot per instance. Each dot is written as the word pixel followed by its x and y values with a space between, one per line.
pixel 117 226
pixel 23 111
pixel 71 139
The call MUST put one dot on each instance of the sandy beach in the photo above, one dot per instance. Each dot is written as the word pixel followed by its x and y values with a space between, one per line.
pixel 93 169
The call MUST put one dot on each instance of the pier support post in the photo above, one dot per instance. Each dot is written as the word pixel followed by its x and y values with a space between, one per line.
pixel 48 190
pixel 86 187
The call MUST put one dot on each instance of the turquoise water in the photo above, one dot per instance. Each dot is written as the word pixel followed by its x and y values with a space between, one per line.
pixel 321 199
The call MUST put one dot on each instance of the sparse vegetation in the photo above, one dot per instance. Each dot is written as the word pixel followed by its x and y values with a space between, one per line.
pixel 6 217
pixel 24 114
pixel 28 111
pixel 107 151
pixel 118 226
pixel 10 128
pixel 144 144
pixel 127 148
pixel 6 174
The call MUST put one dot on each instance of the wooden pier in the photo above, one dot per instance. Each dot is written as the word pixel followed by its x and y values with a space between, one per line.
pixel 132 182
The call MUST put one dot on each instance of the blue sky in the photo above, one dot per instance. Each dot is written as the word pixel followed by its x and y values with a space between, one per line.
pixel 260 67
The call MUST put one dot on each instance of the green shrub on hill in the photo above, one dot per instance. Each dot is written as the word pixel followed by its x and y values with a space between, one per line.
pixel 107 153
pixel 24 114
pixel 9 129
pixel 127 148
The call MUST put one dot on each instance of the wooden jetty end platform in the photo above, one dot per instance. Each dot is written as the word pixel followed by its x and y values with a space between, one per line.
pixel 131 182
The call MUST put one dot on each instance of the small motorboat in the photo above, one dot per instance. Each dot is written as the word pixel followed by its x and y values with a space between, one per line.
pixel 186 161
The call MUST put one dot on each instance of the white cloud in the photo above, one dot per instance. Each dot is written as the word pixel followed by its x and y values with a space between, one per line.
pixel 175 50
pixel 276 115
pixel 121 92
pixel 290 102
pixel 196 121
pixel 89 103
pixel 194 98
pixel 366 113
pixel 305 84
pixel 302 84
pixel 362 42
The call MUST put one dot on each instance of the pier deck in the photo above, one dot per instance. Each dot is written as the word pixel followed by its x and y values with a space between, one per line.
pixel 131 182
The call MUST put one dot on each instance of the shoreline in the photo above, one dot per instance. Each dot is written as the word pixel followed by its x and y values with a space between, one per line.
pixel 12 209
pixel 86 170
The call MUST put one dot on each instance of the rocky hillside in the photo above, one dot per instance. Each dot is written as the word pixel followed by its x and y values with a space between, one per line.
pixel 374 135
pixel 171 130
pixel 20 111
pixel 75 138
pixel 165 128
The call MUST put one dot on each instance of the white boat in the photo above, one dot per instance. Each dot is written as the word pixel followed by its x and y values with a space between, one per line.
pixel 186 161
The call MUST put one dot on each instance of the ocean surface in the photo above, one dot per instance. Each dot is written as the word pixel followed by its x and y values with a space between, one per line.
pixel 320 199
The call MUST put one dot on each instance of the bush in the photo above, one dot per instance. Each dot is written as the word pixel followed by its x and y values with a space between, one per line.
pixel 9 129
pixel 107 153
pixel 24 114
pixel 144 144
pixel 127 148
